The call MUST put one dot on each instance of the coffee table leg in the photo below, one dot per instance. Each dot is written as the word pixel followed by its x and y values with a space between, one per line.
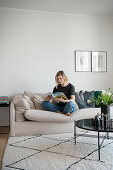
pixel 98 146
pixel 107 135
pixel 75 132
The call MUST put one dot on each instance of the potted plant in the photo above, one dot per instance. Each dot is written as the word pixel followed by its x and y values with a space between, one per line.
pixel 104 100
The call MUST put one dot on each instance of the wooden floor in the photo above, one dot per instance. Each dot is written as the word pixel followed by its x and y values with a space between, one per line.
pixel 3 141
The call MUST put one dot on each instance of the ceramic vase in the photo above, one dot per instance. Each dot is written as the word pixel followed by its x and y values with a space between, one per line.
pixel 105 116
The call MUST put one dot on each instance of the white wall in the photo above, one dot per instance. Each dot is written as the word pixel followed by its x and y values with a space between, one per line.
pixel 35 45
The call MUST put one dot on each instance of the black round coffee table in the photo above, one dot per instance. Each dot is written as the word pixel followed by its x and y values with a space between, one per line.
pixel 89 124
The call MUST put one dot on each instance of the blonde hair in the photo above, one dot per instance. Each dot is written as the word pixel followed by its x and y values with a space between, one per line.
pixel 61 73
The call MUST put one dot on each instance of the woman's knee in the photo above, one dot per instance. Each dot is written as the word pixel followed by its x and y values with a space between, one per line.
pixel 45 103
pixel 70 103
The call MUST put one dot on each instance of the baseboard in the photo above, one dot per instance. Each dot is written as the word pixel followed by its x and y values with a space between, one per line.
pixel 4 124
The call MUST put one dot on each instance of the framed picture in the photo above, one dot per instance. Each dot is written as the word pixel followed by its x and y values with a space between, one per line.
pixel 99 61
pixel 82 61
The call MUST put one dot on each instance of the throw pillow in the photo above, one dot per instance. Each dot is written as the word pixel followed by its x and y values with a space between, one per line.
pixel 38 102
pixel 18 96
pixel 29 94
pixel 89 96
pixel 21 105
pixel 79 100
pixel 32 106
pixel 44 94
pixel 81 94
pixel 97 94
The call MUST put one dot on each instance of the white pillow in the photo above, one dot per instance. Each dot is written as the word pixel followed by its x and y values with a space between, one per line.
pixel 44 94
pixel 29 94
pixel 38 102
pixel 32 106
pixel 21 105
pixel 18 96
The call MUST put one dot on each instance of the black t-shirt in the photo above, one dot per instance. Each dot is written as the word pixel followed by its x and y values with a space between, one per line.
pixel 67 90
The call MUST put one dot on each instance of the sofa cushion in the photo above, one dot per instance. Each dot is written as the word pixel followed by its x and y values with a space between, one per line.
pixel 89 95
pixel 32 106
pixel 81 94
pixel 18 96
pixel 46 116
pixel 31 95
pixel 79 98
pixel 86 113
pixel 21 105
pixel 97 94
pixel 38 102
pixel 44 95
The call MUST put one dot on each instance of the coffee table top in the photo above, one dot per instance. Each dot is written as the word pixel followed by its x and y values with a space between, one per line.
pixel 88 124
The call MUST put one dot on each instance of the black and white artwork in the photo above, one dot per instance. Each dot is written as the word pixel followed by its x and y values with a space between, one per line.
pixel 99 61
pixel 82 61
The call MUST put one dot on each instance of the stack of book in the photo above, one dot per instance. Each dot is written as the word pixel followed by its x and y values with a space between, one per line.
pixel 4 100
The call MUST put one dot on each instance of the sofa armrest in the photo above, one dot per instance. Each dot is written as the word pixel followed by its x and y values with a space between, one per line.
pixel 12 119
pixel 12 113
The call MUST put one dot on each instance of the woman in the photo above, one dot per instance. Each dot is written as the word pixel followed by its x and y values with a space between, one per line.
pixel 63 106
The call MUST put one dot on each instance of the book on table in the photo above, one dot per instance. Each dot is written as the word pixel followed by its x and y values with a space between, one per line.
pixel 4 100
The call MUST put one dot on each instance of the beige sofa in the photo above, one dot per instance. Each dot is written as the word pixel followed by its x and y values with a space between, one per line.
pixel 37 121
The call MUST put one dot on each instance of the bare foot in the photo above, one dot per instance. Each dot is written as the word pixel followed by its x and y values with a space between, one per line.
pixel 68 114
pixel 59 112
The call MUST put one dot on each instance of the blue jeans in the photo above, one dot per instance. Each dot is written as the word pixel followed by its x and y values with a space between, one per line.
pixel 69 107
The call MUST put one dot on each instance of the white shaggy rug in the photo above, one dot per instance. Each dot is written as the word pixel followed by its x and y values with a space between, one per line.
pixel 58 152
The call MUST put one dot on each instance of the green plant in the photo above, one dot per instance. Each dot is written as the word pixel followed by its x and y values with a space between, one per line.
pixel 106 98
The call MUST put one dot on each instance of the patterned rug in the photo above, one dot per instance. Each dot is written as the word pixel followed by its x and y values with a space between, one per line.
pixel 58 152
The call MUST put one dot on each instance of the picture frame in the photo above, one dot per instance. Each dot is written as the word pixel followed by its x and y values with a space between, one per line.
pixel 83 61
pixel 99 61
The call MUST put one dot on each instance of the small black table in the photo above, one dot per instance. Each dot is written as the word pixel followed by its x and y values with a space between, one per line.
pixel 6 105
pixel 88 124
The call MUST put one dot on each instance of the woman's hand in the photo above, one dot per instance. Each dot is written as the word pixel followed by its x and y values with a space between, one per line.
pixel 60 100
pixel 48 98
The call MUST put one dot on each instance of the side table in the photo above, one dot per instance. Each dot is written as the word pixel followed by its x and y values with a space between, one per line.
pixel 5 129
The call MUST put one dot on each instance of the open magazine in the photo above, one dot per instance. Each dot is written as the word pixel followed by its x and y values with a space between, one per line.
pixel 59 95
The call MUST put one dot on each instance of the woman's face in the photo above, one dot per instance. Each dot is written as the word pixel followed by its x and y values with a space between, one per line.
pixel 60 80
